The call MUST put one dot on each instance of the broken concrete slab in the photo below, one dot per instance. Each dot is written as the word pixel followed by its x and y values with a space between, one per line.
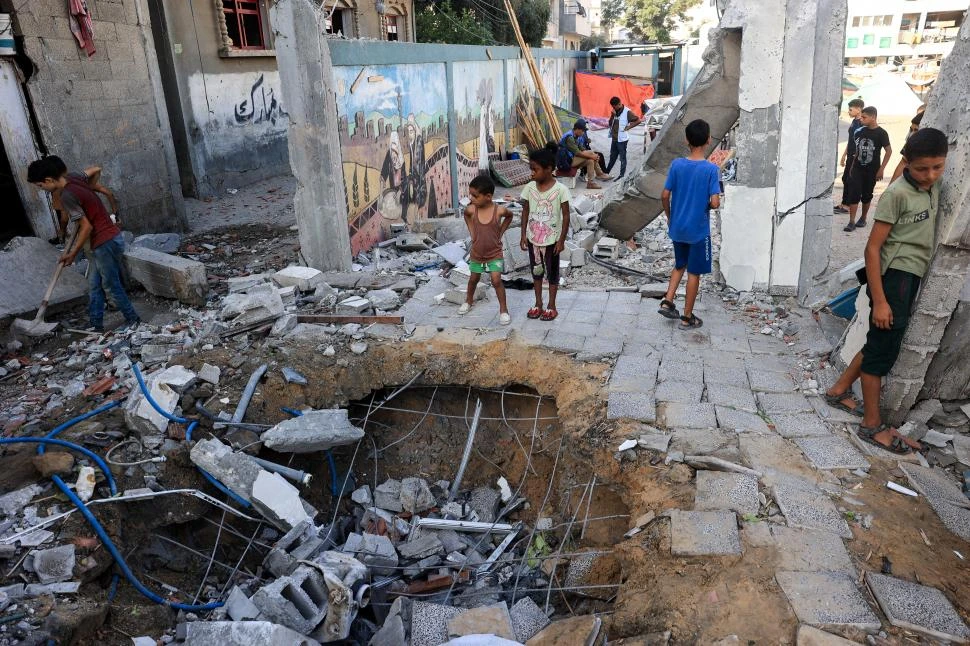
pixel 284 325
pixel 210 373
pixel 377 552
pixel 416 495
pixel 805 506
pixel 736 397
pixel 141 416
pixel 384 299
pixel 236 470
pixel 772 455
pixel 276 499
pixel 769 381
pixel 55 564
pixel 827 599
pixel 704 533
pixel 575 631
pixel 168 276
pixel 799 425
pixel 718 490
pixel 944 496
pixel 655 441
pixel 832 452
pixel 315 430
pixel 179 378
pixel 918 608
pixel 391 633
pixel 233 633
pixel 387 495
pixel 731 419
pixel 809 550
pixel 421 547
pixel 811 636
pixel 638 406
pixel 528 619
pixel 32 261
pixel 255 305
pixel 486 620
pixel 687 416
pixel 485 501
pixel 240 284
pixel 784 403
pixel 304 279
pixel 162 242
pixel 239 607
pixel 429 623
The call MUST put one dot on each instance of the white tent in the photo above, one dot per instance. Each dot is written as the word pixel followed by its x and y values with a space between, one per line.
pixel 890 95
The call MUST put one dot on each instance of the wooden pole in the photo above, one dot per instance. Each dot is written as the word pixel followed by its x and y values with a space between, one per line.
pixel 553 121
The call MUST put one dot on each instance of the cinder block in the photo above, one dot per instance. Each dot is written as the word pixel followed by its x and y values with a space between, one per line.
pixel 298 601
pixel 299 544
pixel 168 276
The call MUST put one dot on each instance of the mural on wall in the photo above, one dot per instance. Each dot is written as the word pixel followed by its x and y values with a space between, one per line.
pixel 260 106
pixel 479 93
pixel 393 129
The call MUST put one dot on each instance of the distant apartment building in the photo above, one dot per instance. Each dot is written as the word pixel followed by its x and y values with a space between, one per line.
pixel 896 31
pixel 569 22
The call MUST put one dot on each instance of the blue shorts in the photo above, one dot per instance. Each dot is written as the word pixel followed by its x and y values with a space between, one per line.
pixel 696 256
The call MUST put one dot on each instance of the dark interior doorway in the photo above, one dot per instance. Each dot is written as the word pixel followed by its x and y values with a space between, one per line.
pixel 14 221
pixel 665 75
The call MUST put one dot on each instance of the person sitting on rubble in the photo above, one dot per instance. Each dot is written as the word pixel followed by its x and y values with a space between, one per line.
pixel 692 189
pixel 487 222
pixel 545 216
pixel 897 257
pixel 574 152
pixel 94 226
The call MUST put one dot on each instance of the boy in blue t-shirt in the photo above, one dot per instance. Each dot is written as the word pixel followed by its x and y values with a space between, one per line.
pixel 693 188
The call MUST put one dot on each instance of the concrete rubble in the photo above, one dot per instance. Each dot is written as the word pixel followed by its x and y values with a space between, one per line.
pixel 315 430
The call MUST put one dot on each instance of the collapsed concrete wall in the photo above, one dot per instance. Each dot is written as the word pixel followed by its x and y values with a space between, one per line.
pixel 712 96
pixel 936 336
pixel 105 109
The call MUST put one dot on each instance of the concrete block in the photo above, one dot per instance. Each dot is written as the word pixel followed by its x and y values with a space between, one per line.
pixel 315 430
pixel 918 608
pixel 55 564
pixel 178 378
pixel 832 452
pixel 168 276
pixel 827 599
pixel 704 533
pixel 284 325
pixel 298 601
pixel 421 548
pixel 301 543
pixel 304 279
pixel 32 261
pixel 487 620
pixel 255 305
pixel 726 491
pixel 384 299
pixel 416 496
pixel 210 373
pixel 236 470
pixel 528 619
pixel 378 553
pixel 362 496
pixel 275 498
pixel 239 607
pixel 353 305
pixel 515 258
pixel 388 496
pixel 161 242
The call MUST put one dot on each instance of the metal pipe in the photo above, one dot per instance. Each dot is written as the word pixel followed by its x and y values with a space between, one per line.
pixel 295 475
pixel 456 485
pixel 464 525
pixel 248 393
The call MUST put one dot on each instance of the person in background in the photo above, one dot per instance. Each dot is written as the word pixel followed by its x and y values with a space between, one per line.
pixel 572 154
pixel 913 127
pixel 487 222
pixel 855 109
pixel 622 120
pixel 867 167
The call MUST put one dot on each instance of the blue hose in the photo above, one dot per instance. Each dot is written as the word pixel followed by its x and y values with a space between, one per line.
pixel 74 447
pixel 188 436
pixel 77 420
pixel 334 487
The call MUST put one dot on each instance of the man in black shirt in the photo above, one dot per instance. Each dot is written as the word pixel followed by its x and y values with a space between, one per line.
pixel 867 167
pixel 855 109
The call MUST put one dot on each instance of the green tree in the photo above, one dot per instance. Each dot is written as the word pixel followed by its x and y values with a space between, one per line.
pixel 443 23
pixel 652 20
pixel 594 41
pixel 481 22
pixel 611 13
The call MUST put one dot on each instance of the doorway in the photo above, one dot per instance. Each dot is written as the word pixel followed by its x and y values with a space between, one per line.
pixel 665 75
pixel 14 221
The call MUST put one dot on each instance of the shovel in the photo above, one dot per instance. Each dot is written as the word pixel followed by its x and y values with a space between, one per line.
pixel 37 326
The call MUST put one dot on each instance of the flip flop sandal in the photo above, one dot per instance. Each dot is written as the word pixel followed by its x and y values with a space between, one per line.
pixel 549 315
pixel 835 401
pixel 690 322
pixel 668 309
pixel 534 313
pixel 897 446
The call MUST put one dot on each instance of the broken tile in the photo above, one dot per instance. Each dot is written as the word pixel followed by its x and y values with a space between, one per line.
pixel 784 403
pixel 805 506
pixel 527 619
pixel 799 425
pixel 55 564
pixel 944 496
pixel 638 406
pixel 731 396
pixel 429 623
pixel 769 381
pixel 809 550
pixel 679 391
pixel 487 620
pixel 703 533
pixel 678 415
pixel 832 452
pixel 917 607
pixel 726 491
pixel 827 599
pixel 731 419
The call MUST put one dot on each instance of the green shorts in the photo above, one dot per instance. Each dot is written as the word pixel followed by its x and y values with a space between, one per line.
pixel 486 266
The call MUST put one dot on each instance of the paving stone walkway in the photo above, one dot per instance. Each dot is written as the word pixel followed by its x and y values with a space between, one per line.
pixel 725 391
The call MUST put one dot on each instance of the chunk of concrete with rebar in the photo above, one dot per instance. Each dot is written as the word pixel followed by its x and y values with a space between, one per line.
pixel 298 601
pixel 237 471
pixel 168 276
pixel 315 430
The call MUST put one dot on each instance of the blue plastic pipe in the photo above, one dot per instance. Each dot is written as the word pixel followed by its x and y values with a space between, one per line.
pixel 69 445
pixel 334 487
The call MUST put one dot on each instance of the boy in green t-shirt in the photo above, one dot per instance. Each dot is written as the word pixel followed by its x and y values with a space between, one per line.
pixel 897 257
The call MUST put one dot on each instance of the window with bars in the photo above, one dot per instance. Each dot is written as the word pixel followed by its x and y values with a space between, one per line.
pixel 244 23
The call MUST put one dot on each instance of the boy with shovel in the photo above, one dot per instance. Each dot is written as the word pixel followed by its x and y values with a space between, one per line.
pixel 86 211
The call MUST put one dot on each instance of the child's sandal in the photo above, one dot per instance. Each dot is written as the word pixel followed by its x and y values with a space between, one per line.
pixel 690 322
pixel 549 315
pixel 668 309
pixel 534 313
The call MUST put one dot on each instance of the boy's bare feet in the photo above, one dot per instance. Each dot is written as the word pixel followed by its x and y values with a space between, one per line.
pixel 593 186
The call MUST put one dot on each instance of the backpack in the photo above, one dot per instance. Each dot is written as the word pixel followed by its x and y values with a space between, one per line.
pixel 564 158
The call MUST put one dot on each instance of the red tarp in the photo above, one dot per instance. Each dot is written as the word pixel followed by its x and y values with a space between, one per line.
pixel 595 91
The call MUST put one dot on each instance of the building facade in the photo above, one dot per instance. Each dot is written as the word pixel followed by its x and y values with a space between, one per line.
pixel 896 31
pixel 569 23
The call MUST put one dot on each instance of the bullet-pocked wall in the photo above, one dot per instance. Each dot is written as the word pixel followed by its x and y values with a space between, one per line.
pixel 418 121
pixel 96 99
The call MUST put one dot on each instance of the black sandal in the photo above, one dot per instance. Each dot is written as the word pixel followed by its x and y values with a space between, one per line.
pixel 897 446
pixel 668 309
pixel 690 322
pixel 835 401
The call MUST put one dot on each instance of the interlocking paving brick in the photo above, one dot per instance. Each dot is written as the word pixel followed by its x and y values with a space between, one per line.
pixel 769 381
pixel 563 341
pixel 704 533
pixel 799 425
pixel 730 491
pixel 639 406
pixel 597 347
pixel 687 392
pixel 739 398
pixel 678 415
pixel 677 368
pixel 776 363
pixel 831 414
pixel 917 607
pixel 808 550
pixel 827 599
pixel 832 452
pixel 722 359
pixel 634 374
pixel 805 506
pixel 732 343
pixel 731 375
pixel 706 441
pixel 784 403
pixel 944 496
pixel 738 420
